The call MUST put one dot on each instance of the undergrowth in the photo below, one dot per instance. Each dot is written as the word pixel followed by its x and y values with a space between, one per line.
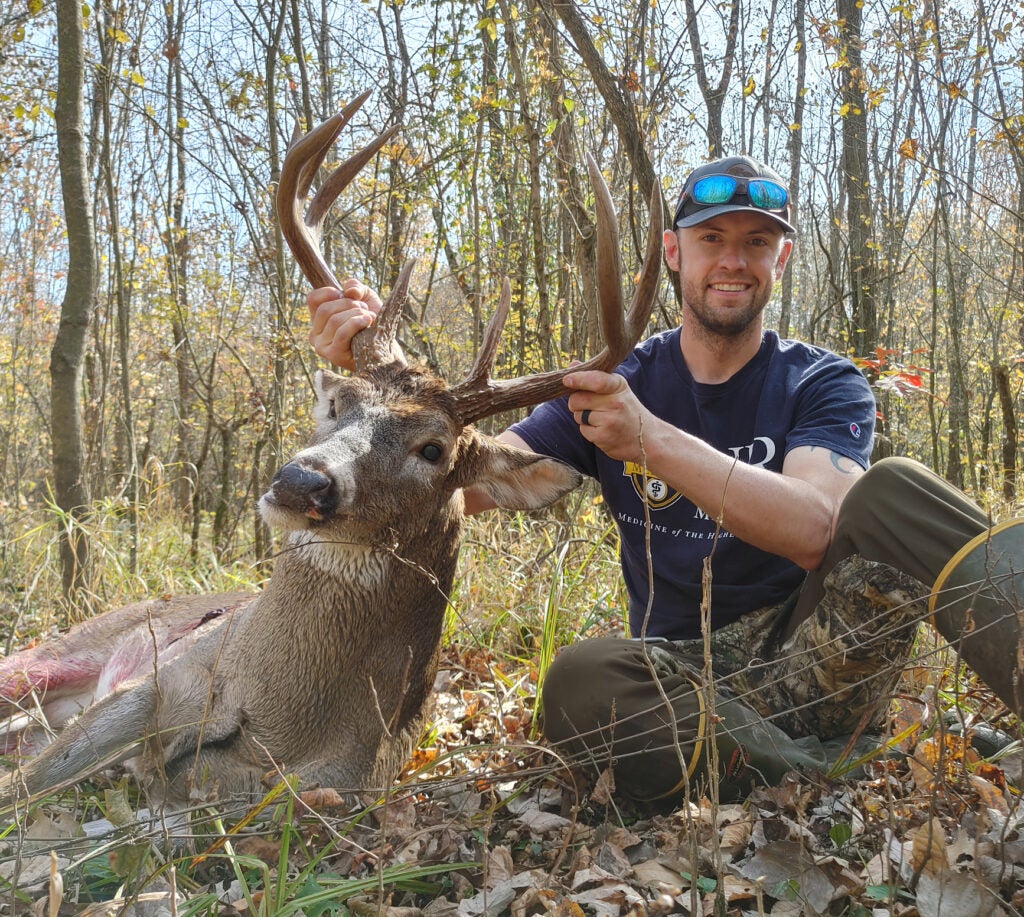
pixel 527 584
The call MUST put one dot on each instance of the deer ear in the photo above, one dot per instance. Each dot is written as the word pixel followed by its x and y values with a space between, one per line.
pixel 325 379
pixel 514 478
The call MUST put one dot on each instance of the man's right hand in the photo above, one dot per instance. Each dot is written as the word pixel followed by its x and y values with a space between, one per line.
pixel 337 317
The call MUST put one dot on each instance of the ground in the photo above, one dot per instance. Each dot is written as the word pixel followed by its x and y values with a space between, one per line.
pixel 486 821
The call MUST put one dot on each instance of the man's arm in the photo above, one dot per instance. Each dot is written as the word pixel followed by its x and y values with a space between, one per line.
pixel 791 514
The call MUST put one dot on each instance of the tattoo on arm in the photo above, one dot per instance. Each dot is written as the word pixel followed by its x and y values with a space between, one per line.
pixel 841 463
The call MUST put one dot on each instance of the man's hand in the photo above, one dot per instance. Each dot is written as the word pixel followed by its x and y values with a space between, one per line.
pixel 338 317
pixel 609 414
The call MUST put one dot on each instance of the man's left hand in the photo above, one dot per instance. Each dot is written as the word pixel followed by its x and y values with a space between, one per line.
pixel 609 414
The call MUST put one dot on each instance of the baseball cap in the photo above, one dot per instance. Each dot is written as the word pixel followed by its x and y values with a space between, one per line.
pixel 730 184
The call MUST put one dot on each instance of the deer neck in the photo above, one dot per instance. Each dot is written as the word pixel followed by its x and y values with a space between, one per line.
pixel 396 572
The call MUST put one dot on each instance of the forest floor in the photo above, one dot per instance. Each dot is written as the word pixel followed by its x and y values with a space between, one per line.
pixel 487 822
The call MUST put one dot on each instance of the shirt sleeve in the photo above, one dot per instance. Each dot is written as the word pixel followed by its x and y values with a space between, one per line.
pixel 552 430
pixel 835 410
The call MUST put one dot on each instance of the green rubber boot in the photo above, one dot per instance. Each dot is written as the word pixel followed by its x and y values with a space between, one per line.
pixel 977 604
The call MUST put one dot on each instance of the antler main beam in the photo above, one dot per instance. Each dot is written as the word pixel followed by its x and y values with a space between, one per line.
pixel 477 396
pixel 302 226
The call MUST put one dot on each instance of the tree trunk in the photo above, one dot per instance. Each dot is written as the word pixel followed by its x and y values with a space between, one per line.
pixel 1009 442
pixel 619 109
pixel 861 250
pixel 71 488
pixel 796 145
pixel 713 95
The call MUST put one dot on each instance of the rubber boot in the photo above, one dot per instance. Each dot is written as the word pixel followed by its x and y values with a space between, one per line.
pixel 977 604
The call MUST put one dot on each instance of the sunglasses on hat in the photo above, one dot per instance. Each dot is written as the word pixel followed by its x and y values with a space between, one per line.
pixel 762 193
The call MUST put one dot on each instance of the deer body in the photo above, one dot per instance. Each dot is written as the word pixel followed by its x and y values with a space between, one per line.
pixel 327 673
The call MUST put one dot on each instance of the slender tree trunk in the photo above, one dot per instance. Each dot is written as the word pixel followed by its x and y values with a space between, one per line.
pixel 122 295
pixel 534 235
pixel 616 101
pixel 274 16
pixel 1009 441
pixel 714 95
pixel 67 356
pixel 576 230
pixel 796 149
pixel 861 250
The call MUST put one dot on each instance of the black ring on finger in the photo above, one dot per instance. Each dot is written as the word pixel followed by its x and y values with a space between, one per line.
pixel 585 418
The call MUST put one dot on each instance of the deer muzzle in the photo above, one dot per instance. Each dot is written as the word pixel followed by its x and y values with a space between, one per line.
pixel 305 490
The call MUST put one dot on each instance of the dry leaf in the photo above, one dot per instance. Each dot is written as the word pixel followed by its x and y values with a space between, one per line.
pixel 323 798
pixel 787 871
pixel 956 893
pixel 604 787
pixel 736 835
pixel 989 795
pixel 737 889
pixel 260 848
pixel 498 866
pixel 928 848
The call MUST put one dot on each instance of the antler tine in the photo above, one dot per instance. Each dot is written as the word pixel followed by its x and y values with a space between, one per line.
pixel 375 346
pixel 302 231
pixel 480 372
pixel 646 291
pixel 479 397
pixel 609 269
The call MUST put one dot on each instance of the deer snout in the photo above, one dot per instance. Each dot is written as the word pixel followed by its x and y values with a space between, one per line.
pixel 305 490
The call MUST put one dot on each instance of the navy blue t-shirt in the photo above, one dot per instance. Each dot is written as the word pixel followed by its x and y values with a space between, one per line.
pixel 790 394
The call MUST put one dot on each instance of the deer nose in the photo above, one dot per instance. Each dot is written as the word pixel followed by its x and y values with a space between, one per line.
pixel 305 490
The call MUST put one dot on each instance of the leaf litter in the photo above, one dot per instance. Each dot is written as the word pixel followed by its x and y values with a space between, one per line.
pixel 488 822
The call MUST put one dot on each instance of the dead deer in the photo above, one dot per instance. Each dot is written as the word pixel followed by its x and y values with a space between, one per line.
pixel 326 674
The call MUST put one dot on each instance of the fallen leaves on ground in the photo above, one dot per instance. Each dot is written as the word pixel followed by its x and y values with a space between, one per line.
pixel 488 823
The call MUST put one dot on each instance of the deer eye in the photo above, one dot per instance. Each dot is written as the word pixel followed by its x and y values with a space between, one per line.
pixel 431 452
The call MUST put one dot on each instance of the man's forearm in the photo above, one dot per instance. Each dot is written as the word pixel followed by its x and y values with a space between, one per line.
pixel 775 512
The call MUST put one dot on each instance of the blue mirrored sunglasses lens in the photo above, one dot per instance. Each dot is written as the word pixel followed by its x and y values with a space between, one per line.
pixel 767 195
pixel 715 189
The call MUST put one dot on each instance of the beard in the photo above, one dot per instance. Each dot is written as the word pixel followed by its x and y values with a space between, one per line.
pixel 723 323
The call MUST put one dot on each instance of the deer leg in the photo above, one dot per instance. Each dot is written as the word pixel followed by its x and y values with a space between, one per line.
pixel 106 733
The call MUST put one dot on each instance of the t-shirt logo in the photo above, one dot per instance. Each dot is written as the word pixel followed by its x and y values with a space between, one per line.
pixel 653 491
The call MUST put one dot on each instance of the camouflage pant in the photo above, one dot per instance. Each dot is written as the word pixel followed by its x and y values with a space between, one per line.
pixel 838 670
pixel 819 666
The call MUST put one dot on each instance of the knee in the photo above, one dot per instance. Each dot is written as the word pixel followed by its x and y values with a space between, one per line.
pixel 583 661
pixel 888 474
pixel 577 692
pixel 879 488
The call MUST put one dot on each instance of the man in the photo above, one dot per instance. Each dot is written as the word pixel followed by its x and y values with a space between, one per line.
pixel 736 467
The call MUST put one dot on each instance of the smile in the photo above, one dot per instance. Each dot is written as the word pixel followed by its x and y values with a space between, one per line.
pixel 729 287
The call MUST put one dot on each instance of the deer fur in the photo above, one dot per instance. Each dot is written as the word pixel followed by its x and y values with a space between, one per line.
pixel 327 672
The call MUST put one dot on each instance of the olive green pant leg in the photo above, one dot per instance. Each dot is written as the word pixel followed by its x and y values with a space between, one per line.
pixel 603 707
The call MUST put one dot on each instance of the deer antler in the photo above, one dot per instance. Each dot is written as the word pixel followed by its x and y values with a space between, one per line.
pixel 477 395
pixel 374 345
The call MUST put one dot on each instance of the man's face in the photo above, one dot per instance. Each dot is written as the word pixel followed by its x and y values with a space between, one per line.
pixel 727 267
